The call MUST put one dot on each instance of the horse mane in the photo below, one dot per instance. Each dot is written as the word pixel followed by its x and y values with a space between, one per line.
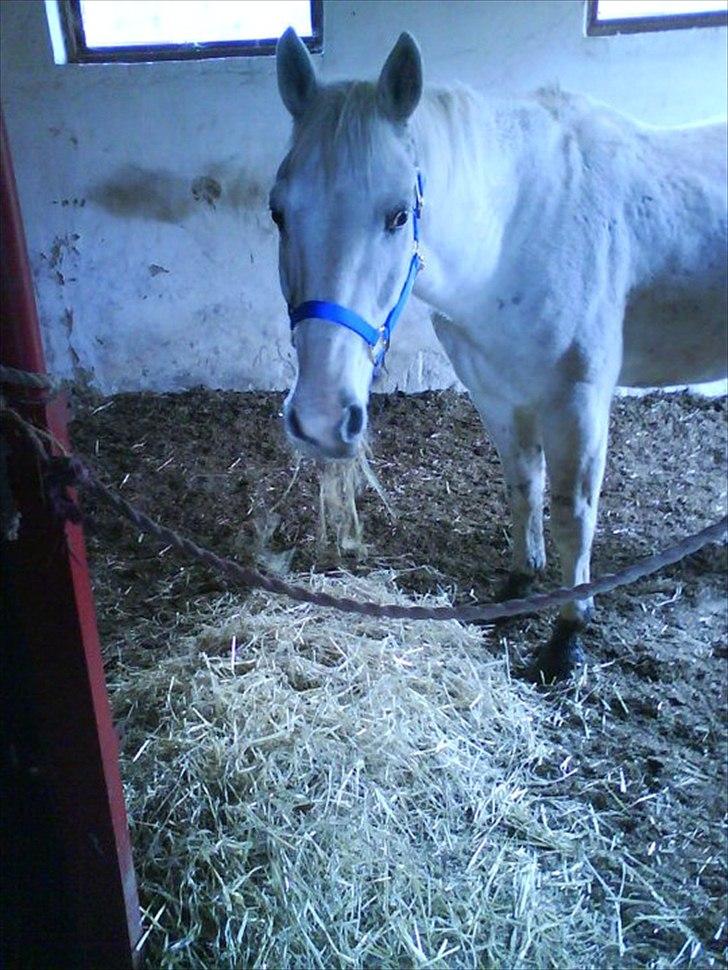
pixel 561 105
pixel 342 126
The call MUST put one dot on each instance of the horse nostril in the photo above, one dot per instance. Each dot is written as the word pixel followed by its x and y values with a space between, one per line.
pixel 293 425
pixel 354 422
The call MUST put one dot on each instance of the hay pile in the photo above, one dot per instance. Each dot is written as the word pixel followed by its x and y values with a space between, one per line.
pixel 314 790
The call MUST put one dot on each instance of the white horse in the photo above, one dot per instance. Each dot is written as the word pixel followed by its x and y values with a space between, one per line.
pixel 567 250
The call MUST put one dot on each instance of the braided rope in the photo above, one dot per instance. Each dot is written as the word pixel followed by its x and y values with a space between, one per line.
pixel 24 378
pixel 71 470
pixel 481 612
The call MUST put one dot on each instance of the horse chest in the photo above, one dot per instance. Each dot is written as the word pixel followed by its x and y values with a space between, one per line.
pixel 496 353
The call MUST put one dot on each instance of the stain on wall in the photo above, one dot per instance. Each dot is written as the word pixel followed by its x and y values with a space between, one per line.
pixel 206 189
pixel 153 194
pixel 246 193
pixel 142 193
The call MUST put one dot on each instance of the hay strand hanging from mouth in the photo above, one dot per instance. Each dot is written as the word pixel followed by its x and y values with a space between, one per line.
pixel 339 522
pixel 340 484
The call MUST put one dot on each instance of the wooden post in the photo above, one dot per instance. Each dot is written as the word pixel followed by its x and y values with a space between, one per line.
pixel 66 829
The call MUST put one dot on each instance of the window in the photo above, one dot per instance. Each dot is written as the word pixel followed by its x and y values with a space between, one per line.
pixel 151 30
pixel 629 16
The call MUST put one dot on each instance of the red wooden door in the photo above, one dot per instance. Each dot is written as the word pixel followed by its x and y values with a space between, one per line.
pixel 70 896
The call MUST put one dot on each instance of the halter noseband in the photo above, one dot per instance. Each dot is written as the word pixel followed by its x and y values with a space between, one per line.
pixel 377 338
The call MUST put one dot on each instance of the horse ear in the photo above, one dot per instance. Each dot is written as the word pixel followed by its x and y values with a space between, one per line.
pixel 296 76
pixel 400 84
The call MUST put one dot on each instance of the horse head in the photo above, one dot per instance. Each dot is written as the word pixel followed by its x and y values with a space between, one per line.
pixel 346 202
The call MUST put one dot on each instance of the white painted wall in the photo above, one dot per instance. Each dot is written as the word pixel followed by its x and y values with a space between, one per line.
pixel 142 285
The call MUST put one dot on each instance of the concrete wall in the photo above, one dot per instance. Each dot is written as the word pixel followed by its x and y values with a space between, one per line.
pixel 148 278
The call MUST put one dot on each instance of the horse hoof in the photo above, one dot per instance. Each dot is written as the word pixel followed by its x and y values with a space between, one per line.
pixel 557 659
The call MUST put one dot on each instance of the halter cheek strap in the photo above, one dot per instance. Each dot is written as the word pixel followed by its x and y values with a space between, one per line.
pixel 377 337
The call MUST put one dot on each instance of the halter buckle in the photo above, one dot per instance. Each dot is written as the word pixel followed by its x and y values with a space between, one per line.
pixel 419 197
pixel 417 253
pixel 380 348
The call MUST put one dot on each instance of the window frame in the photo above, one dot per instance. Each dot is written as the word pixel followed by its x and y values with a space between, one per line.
pixel 633 25
pixel 78 51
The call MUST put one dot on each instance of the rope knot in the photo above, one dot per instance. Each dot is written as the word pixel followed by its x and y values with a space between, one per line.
pixel 64 472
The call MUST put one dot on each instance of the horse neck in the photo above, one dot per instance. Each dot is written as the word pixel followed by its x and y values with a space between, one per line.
pixel 470 155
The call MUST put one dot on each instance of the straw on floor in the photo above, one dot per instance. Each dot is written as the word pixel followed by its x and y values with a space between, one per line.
pixel 312 790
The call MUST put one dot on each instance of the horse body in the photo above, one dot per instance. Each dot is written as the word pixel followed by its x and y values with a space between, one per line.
pixel 675 320
pixel 567 249
pixel 599 243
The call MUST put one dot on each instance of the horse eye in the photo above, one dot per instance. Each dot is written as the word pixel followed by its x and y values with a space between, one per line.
pixel 277 217
pixel 397 219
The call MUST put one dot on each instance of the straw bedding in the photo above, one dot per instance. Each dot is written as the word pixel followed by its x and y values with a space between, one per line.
pixel 348 793
pixel 312 790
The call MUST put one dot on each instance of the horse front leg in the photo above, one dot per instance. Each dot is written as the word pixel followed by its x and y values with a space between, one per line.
pixel 516 436
pixel 575 442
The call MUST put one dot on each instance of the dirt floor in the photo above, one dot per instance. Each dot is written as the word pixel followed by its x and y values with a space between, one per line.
pixel 652 715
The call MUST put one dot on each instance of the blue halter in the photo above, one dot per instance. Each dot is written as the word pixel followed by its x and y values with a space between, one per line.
pixel 377 338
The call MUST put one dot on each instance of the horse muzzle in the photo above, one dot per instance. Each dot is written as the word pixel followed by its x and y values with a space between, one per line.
pixel 314 434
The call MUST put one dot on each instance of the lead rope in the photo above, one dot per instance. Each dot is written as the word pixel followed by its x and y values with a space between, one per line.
pixel 65 471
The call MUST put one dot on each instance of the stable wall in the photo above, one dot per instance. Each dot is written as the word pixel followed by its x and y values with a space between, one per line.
pixel 146 278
